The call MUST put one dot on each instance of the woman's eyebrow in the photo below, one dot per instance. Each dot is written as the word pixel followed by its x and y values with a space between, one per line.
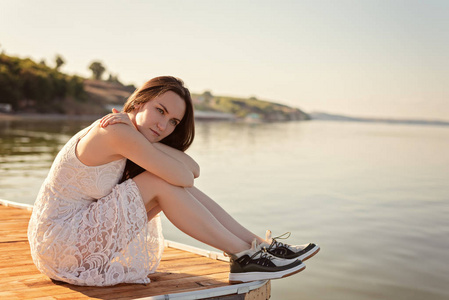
pixel 167 111
pixel 163 107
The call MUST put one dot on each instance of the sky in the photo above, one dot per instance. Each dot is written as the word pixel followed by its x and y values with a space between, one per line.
pixel 367 58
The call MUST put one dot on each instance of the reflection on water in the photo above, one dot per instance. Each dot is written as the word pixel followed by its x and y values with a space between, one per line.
pixel 27 149
pixel 374 196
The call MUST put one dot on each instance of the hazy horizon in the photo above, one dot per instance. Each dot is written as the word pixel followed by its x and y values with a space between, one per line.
pixel 386 59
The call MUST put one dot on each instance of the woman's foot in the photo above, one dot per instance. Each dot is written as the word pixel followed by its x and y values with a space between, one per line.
pixel 286 251
pixel 257 264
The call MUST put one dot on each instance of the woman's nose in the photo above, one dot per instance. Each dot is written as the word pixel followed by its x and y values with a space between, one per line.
pixel 162 125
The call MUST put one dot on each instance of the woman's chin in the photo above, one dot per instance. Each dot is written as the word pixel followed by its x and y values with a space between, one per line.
pixel 153 139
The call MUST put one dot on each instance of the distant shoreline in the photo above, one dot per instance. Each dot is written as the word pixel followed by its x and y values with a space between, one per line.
pixel 49 117
pixel 199 115
pixel 321 116
pixel 218 116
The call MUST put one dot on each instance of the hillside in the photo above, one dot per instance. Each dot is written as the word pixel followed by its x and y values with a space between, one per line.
pixel 107 94
pixel 254 110
pixel 249 109
pixel 30 87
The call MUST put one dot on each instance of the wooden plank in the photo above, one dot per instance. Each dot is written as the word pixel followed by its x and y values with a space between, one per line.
pixel 178 272
pixel 13 236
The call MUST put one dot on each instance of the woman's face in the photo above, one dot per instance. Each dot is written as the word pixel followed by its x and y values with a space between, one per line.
pixel 156 119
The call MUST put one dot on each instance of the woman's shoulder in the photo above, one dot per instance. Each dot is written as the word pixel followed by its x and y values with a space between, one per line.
pixel 116 131
pixel 99 145
pixel 116 137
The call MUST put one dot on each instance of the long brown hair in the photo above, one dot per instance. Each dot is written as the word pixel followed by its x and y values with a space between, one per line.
pixel 182 137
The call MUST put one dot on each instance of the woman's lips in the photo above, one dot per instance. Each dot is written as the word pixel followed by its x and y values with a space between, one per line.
pixel 155 133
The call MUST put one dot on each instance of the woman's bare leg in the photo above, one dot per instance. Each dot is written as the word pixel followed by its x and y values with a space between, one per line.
pixel 223 217
pixel 219 213
pixel 187 213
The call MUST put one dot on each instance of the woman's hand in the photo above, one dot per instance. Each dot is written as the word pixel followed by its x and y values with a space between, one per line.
pixel 114 118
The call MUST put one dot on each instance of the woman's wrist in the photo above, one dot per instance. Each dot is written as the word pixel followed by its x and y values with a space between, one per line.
pixel 180 156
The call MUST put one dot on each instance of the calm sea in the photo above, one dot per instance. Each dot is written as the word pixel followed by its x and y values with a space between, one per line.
pixel 375 197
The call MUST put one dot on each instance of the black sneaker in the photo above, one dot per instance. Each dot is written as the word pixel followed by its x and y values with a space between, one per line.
pixel 282 250
pixel 257 264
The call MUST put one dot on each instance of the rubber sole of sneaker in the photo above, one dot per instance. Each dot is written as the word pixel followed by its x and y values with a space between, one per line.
pixel 235 278
pixel 309 254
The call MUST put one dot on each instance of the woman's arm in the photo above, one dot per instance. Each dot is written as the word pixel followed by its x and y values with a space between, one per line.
pixel 116 118
pixel 128 142
pixel 180 156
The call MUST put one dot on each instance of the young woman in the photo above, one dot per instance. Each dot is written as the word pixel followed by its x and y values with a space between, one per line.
pixel 95 220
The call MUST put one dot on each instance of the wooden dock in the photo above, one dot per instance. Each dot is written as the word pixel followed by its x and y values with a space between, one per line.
pixel 184 273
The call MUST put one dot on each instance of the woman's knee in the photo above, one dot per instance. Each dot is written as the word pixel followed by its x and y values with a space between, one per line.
pixel 146 177
pixel 150 185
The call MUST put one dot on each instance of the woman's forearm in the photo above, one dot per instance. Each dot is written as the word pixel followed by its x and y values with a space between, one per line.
pixel 181 160
pixel 180 156
pixel 126 142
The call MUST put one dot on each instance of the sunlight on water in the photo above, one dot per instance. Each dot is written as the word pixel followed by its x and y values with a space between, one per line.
pixel 374 197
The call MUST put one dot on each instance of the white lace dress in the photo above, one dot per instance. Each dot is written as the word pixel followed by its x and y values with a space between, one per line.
pixel 88 230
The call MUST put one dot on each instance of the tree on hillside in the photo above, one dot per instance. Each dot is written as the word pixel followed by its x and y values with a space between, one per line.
pixel 59 61
pixel 113 78
pixel 28 85
pixel 207 96
pixel 97 69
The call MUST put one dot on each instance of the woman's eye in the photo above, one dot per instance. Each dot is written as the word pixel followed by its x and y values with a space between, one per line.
pixel 173 122
pixel 160 110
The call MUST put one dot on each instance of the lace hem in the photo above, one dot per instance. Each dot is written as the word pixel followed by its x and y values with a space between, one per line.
pixel 108 242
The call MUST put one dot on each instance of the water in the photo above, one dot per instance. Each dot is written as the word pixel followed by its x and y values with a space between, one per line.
pixel 375 197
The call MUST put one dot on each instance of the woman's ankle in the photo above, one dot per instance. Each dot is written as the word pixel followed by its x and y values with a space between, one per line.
pixel 244 250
